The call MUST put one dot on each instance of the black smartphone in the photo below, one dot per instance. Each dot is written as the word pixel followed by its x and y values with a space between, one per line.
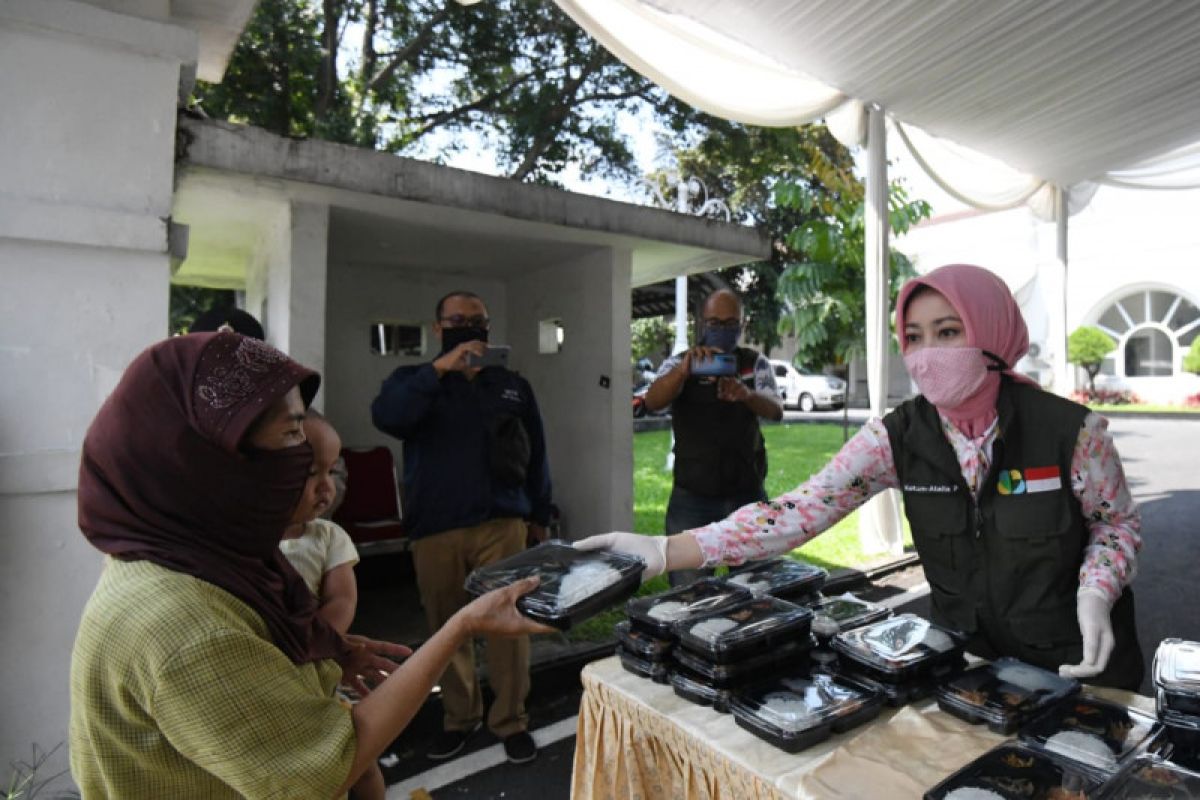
pixel 494 356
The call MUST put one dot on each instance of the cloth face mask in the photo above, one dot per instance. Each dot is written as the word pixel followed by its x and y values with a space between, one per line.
pixel 723 339
pixel 947 376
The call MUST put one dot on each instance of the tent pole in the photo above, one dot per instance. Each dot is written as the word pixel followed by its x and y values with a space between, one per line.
pixel 879 523
pixel 1065 383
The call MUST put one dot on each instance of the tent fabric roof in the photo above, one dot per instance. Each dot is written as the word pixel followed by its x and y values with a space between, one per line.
pixel 1061 89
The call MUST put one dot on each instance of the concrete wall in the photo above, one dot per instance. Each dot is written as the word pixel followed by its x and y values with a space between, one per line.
pixel 86 168
pixel 588 426
pixel 359 294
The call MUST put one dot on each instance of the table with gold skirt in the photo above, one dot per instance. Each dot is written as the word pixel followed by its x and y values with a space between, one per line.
pixel 638 740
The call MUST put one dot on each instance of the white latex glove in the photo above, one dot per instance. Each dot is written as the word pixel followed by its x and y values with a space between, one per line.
pixel 651 549
pixel 1096 627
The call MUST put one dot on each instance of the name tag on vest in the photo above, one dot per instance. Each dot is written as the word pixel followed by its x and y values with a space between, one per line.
pixel 930 489
pixel 1030 480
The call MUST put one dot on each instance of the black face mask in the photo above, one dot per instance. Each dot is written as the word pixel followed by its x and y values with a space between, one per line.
pixel 453 337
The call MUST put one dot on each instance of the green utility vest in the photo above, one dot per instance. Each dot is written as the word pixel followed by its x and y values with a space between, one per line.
pixel 719 449
pixel 1005 569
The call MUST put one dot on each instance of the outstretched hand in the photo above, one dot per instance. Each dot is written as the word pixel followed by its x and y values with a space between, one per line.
pixel 496 614
pixel 1095 625
pixel 369 661
pixel 650 549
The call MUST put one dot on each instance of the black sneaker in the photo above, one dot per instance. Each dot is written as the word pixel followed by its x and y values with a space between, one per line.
pixel 520 748
pixel 448 744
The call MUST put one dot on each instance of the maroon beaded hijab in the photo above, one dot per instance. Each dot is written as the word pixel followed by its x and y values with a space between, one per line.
pixel 162 478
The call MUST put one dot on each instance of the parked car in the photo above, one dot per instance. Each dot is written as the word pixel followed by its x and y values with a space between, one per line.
pixel 806 390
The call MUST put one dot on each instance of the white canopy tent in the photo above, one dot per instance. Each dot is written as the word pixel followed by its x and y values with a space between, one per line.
pixel 1058 95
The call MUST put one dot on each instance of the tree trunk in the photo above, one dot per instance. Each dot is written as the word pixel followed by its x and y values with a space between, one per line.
pixel 553 119
pixel 327 79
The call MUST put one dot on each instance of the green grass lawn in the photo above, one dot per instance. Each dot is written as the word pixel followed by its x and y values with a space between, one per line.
pixel 794 452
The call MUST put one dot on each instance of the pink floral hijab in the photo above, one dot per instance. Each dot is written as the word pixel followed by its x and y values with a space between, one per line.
pixel 993 323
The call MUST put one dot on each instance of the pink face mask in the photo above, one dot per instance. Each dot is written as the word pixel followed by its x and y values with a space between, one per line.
pixel 947 376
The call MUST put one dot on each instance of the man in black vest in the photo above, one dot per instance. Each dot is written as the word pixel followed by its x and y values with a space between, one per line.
pixel 720 458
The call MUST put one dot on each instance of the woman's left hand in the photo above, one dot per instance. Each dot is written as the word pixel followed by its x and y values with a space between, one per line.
pixel 1095 625
pixel 369 661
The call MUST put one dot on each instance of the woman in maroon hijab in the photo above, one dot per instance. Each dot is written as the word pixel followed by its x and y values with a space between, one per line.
pixel 201 668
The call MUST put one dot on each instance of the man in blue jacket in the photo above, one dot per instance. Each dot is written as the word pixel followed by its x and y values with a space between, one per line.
pixel 475 471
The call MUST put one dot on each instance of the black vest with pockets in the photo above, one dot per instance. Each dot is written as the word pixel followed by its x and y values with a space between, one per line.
pixel 1005 569
pixel 719 449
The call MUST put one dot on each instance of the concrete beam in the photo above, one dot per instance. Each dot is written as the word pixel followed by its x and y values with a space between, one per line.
pixel 252 151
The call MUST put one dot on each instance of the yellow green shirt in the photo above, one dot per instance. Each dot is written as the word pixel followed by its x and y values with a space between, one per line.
pixel 177 691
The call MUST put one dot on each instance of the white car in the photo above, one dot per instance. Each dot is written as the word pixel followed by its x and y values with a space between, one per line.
pixel 805 390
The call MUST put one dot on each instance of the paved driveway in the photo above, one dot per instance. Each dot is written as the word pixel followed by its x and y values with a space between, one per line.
pixel 1162 462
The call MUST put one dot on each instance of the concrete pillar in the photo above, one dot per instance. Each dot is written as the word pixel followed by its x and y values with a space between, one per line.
pixel 86 170
pixel 286 283
pixel 583 390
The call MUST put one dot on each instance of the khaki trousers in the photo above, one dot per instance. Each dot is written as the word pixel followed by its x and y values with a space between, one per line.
pixel 443 562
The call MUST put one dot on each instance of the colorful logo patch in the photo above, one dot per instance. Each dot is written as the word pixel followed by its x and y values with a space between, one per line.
pixel 1030 480
pixel 1011 482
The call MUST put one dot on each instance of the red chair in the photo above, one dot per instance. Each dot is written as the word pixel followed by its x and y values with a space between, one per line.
pixel 370 512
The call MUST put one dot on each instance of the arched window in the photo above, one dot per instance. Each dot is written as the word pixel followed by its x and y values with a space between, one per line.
pixel 1152 328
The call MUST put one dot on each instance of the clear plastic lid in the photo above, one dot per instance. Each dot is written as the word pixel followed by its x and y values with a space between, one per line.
pixel 658 613
pixel 1177 666
pixel 1005 692
pixel 750 626
pixel 798 703
pixel 831 615
pixel 642 643
pixel 1152 777
pixel 781 577
pixel 575 584
pixel 1015 772
pixel 1092 732
pixel 786 657
pixel 902 646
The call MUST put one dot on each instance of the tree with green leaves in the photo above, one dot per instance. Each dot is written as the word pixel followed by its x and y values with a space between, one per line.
pixel 1086 347
pixel 651 338
pixel 742 165
pixel 822 284
pixel 432 78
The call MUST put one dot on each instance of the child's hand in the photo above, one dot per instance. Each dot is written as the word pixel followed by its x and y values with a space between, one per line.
pixel 369 661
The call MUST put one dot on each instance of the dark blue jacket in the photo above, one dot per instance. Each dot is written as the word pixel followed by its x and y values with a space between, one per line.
pixel 444 425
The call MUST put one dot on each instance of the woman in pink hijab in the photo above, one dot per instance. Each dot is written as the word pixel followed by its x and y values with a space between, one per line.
pixel 1016 497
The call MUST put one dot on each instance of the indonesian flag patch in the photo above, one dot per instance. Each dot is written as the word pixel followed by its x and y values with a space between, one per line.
pixel 1029 480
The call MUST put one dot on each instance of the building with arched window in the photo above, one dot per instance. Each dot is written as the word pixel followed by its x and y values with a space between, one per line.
pixel 1133 271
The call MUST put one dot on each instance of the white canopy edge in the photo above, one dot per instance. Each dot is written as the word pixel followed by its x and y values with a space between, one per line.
pixel 727 78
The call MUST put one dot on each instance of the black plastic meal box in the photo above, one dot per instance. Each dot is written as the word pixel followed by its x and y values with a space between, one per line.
pixel 832 615
pixel 901 649
pixel 1152 778
pixel 693 687
pixel 1097 734
pixel 658 614
pixel 575 584
pixel 800 710
pixel 782 577
pixel 643 644
pixel 790 657
pixel 1013 771
pixel 746 629
pixel 1004 694
pixel 657 671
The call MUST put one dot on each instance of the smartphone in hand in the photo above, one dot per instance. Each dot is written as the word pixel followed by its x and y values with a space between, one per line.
pixel 493 356
pixel 719 366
